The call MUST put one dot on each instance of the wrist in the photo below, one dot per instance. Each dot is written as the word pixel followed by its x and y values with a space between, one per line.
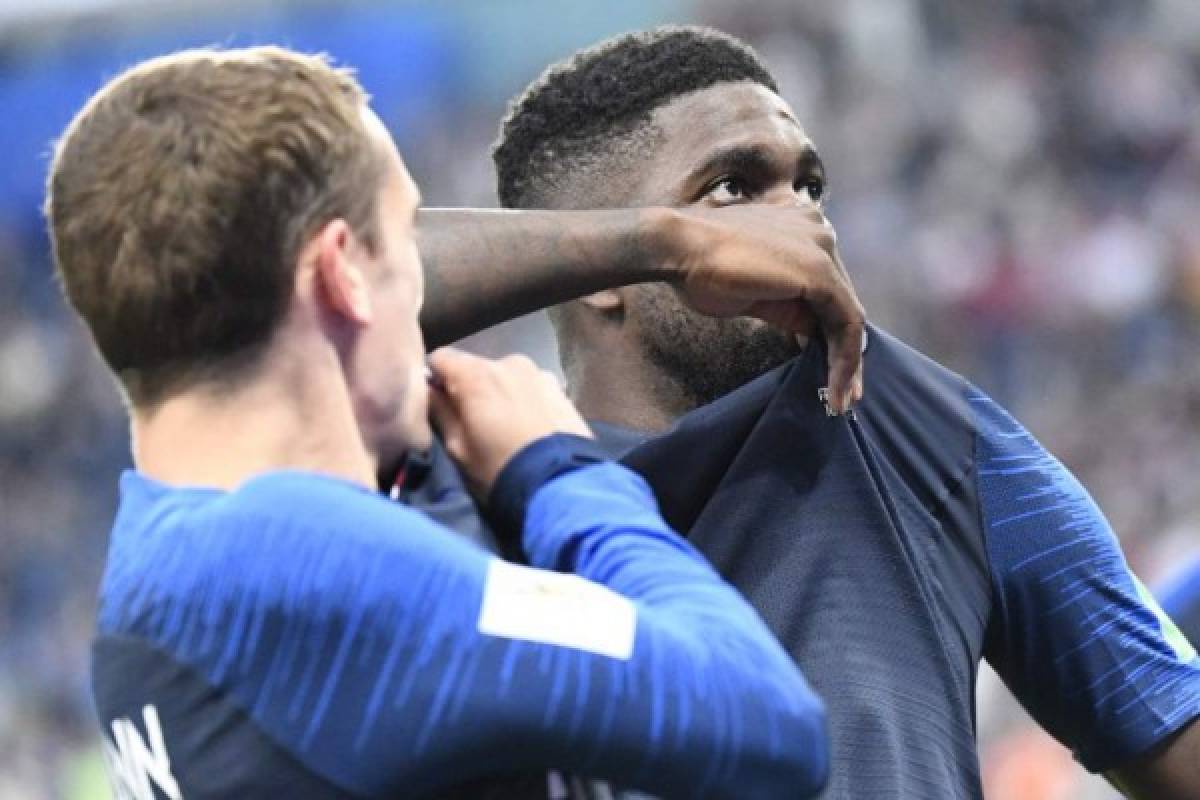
pixel 664 238
pixel 531 468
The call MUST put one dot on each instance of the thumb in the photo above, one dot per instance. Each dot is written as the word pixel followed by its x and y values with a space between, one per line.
pixel 450 367
pixel 447 418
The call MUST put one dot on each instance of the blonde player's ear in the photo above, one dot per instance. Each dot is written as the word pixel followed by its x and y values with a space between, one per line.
pixel 340 273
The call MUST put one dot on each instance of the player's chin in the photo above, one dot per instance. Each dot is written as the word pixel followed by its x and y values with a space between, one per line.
pixel 749 333
pixel 768 328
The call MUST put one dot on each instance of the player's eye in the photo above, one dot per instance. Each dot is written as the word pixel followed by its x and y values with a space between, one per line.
pixel 728 190
pixel 814 186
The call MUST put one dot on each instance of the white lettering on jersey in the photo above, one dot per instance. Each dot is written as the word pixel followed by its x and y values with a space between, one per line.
pixel 133 764
pixel 556 608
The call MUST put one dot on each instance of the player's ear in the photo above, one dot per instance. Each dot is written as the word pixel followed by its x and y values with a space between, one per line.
pixel 606 301
pixel 339 272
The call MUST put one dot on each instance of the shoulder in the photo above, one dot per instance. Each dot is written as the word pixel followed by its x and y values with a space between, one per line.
pixel 289 509
pixel 920 414
pixel 152 514
pixel 899 374
pixel 311 502
pixel 277 538
pixel 300 517
pixel 1028 495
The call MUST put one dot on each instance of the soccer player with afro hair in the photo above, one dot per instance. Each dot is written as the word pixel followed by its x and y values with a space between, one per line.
pixel 891 549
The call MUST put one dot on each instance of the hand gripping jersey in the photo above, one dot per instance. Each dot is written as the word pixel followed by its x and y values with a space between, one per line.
pixel 892 550
pixel 303 637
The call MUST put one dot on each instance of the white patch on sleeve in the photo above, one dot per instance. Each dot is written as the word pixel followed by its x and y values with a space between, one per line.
pixel 555 608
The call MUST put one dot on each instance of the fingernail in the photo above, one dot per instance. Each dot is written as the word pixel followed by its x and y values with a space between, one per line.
pixel 823 396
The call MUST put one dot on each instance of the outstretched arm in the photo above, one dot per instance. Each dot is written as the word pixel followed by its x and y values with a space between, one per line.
pixel 485 267
pixel 778 264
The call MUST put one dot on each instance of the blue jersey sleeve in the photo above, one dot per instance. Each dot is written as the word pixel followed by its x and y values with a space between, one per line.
pixel 394 658
pixel 1183 591
pixel 1181 600
pixel 1073 633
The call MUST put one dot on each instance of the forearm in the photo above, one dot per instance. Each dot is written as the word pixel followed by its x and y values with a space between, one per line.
pixel 576 511
pixel 778 264
pixel 1171 771
pixel 485 267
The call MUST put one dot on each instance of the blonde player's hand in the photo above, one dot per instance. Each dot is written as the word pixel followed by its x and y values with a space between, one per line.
pixel 488 410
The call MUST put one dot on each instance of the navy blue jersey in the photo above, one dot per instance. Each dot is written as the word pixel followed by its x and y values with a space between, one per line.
pixel 1181 600
pixel 894 549
pixel 304 637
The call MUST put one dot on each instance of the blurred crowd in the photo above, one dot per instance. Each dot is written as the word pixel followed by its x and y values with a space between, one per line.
pixel 1016 186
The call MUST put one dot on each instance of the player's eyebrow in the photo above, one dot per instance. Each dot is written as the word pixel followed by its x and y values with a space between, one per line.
pixel 742 159
pixel 753 161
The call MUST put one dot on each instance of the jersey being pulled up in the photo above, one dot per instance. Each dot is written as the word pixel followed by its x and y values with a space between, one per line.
pixel 892 549
pixel 303 637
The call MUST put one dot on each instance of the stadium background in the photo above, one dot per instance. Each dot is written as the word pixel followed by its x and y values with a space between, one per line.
pixel 1016 186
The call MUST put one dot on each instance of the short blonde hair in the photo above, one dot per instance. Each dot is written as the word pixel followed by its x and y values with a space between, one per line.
pixel 180 195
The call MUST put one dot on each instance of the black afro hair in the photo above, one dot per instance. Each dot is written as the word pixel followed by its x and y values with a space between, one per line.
pixel 578 109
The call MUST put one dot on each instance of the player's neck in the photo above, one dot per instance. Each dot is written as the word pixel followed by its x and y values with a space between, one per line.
pixel 626 391
pixel 281 419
